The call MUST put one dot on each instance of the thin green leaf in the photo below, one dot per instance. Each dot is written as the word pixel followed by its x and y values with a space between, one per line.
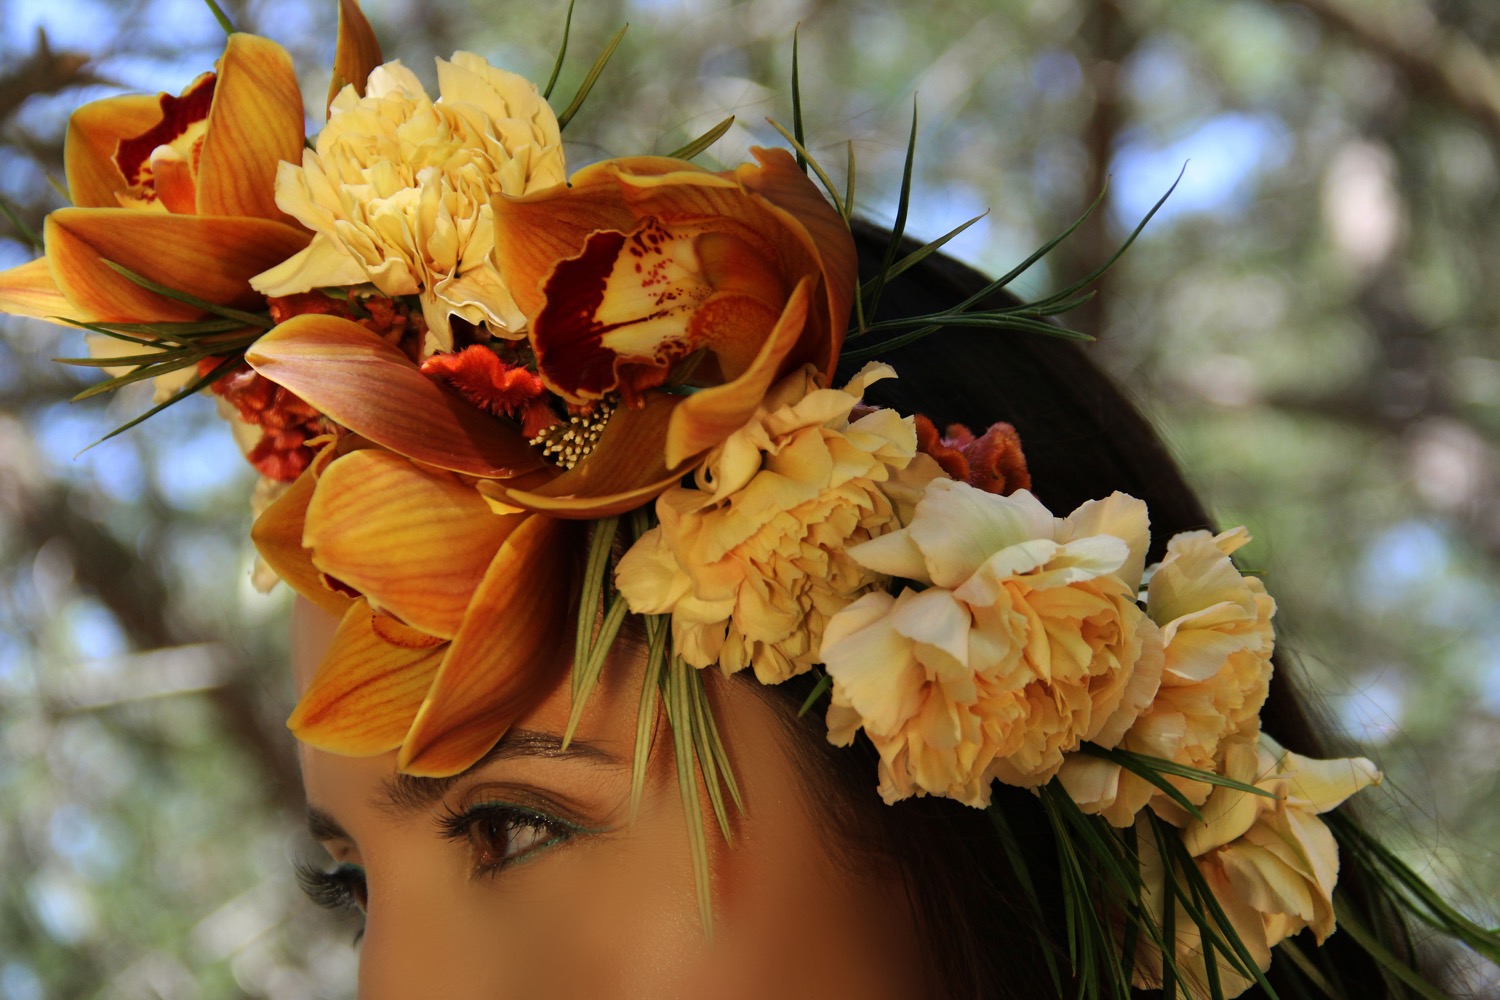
pixel 139 374
pixel 645 720
pixel 961 319
pixel 1132 760
pixel 1095 274
pixel 877 284
pixel 586 673
pixel 1305 965
pixel 178 331
pixel 999 320
pixel 1017 859
pixel 679 717
pixel 716 748
pixel 797 130
pixel 591 79
pixel 562 51
pixel 591 597
pixel 202 382
pixel 109 331
pixel 824 683
pixel 1412 890
pixel 817 168
pixel 220 16
pixel 121 361
pixel 1350 923
pixel 19 225
pixel 705 140
pixel 929 248
pixel 708 761
pixel 249 319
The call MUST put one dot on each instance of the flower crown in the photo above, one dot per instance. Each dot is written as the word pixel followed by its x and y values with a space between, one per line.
pixel 479 391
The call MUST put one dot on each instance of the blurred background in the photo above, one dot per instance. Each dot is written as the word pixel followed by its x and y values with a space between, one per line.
pixel 1311 320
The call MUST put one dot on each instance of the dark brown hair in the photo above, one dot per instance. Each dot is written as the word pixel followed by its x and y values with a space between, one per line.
pixel 1083 439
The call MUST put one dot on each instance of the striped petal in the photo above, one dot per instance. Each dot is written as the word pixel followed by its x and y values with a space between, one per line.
pixel 367 690
pixel 415 542
pixel 509 652
pixel 365 384
pixel 256 122
pixel 29 290
pixel 213 258
pixel 94 133
pixel 357 52
pixel 624 470
pixel 277 534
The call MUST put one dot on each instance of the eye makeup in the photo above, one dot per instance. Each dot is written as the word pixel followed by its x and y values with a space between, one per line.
pixel 501 833
pixel 340 890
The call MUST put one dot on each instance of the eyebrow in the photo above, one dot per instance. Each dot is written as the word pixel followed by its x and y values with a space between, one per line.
pixel 405 794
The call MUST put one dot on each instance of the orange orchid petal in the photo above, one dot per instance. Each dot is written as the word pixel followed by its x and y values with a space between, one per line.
pixel 29 290
pixel 789 190
pixel 624 470
pixel 415 542
pixel 367 690
pixel 370 387
pixel 277 534
pixel 94 133
pixel 509 652
pixel 210 257
pixel 357 52
pixel 710 415
pixel 533 232
pixel 256 122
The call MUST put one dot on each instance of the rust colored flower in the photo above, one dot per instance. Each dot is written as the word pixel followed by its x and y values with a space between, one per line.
pixel 992 462
pixel 505 390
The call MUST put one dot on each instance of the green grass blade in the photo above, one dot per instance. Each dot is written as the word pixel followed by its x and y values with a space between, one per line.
pixel 249 319
pixel 586 674
pixel 591 597
pixel 19 225
pixel 220 16
pixel 140 374
pixel 679 717
pixel 1305 965
pixel 1350 924
pixel 192 387
pixel 824 683
pixel 592 78
pixel 705 140
pixel 708 763
pixel 812 162
pixel 898 229
pixel 926 250
pixel 716 748
pixel 562 51
pixel 645 720
pixel 1017 859
pixel 797 129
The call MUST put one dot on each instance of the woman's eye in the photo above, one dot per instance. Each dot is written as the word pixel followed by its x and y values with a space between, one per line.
pixel 499 834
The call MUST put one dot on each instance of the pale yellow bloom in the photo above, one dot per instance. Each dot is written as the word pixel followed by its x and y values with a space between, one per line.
pixel 752 562
pixel 399 190
pixel 1216 630
pixel 1025 642
pixel 1270 862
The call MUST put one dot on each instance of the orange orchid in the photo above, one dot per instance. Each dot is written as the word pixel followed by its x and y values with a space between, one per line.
pixel 742 276
pixel 423 659
pixel 179 190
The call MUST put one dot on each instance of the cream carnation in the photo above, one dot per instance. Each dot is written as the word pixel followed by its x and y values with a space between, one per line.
pixel 752 562
pixel 1025 642
pixel 1217 636
pixel 1270 862
pixel 398 191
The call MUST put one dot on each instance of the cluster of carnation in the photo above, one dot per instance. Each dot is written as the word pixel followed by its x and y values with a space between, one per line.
pixel 447 315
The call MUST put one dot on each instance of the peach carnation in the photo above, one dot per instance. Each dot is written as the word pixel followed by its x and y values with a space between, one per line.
pixel 753 561
pixel 399 191
pixel 1217 636
pixel 1025 642
pixel 1270 862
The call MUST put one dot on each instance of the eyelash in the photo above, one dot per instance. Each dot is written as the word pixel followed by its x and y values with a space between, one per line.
pixel 480 825
pixel 341 890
